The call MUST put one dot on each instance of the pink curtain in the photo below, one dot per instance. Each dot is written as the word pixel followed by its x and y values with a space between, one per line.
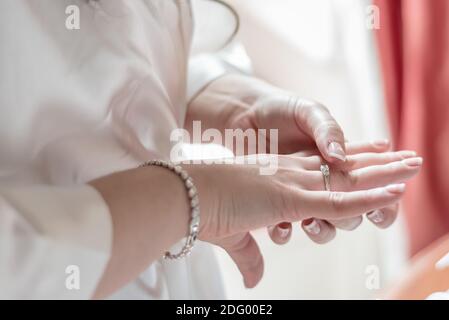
pixel 413 44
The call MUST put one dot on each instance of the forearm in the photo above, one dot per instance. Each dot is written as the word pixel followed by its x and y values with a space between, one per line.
pixel 150 212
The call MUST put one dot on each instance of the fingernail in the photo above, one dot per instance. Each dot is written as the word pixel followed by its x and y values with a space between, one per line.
pixel 283 233
pixel 381 143
pixel 336 151
pixel 407 154
pixel 312 227
pixel 376 216
pixel 413 162
pixel 396 188
pixel 284 230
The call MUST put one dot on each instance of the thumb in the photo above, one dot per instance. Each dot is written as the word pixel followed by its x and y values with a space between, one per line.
pixel 316 120
pixel 245 252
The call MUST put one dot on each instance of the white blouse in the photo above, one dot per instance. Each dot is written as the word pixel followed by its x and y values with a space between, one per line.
pixel 76 105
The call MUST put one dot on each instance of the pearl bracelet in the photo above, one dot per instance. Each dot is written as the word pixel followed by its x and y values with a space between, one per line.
pixel 194 205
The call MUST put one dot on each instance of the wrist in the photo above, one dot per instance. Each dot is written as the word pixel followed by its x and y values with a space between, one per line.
pixel 144 201
pixel 192 194
pixel 149 212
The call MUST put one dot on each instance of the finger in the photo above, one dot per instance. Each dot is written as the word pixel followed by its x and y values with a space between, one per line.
pixel 316 120
pixel 312 161
pixel 353 148
pixel 245 252
pixel 383 218
pixel 363 147
pixel 318 230
pixel 281 233
pixel 307 153
pixel 339 205
pixel 380 175
pixel 361 160
pixel 348 224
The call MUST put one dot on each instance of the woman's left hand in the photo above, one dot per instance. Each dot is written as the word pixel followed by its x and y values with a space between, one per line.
pixel 237 101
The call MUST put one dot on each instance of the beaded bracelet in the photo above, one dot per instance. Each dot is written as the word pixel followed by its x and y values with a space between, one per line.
pixel 194 205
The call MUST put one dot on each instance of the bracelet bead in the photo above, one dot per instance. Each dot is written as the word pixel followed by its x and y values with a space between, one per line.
pixel 194 206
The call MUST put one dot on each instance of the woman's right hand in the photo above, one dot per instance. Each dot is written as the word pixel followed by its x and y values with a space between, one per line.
pixel 236 199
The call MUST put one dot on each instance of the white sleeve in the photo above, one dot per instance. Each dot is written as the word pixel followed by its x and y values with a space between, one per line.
pixel 209 60
pixel 206 67
pixel 54 242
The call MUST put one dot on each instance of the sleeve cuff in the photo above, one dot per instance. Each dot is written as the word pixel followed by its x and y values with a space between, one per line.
pixel 203 69
pixel 50 231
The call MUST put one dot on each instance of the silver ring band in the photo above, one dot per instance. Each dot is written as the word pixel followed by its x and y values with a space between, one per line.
pixel 324 168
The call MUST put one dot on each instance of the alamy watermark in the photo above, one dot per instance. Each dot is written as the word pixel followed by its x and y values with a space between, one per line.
pixel 372 20
pixel 73 20
pixel 73 279
pixel 251 141
pixel 372 280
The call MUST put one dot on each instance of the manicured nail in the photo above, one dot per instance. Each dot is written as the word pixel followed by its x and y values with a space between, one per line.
pixel 396 188
pixel 381 143
pixel 312 227
pixel 376 216
pixel 283 229
pixel 413 162
pixel 443 263
pixel 336 151
pixel 407 154
pixel 283 233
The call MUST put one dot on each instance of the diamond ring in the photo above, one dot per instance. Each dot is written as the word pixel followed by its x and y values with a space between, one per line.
pixel 326 176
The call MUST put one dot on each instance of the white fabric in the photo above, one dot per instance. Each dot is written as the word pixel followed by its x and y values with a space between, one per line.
pixel 76 105
pixel 439 296
pixel 43 230
pixel 214 50
pixel 441 264
pixel 205 67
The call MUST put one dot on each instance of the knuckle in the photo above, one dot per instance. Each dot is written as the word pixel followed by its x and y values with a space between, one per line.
pixel 316 160
pixel 304 107
pixel 367 198
pixel 350 180
pixel 318 106
pixel 336 200
pixel 315 181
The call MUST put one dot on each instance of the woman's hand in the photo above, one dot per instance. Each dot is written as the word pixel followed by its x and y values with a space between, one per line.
pixel 237 101
pixel 236 199
pixel 151 203
pixel 322 231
